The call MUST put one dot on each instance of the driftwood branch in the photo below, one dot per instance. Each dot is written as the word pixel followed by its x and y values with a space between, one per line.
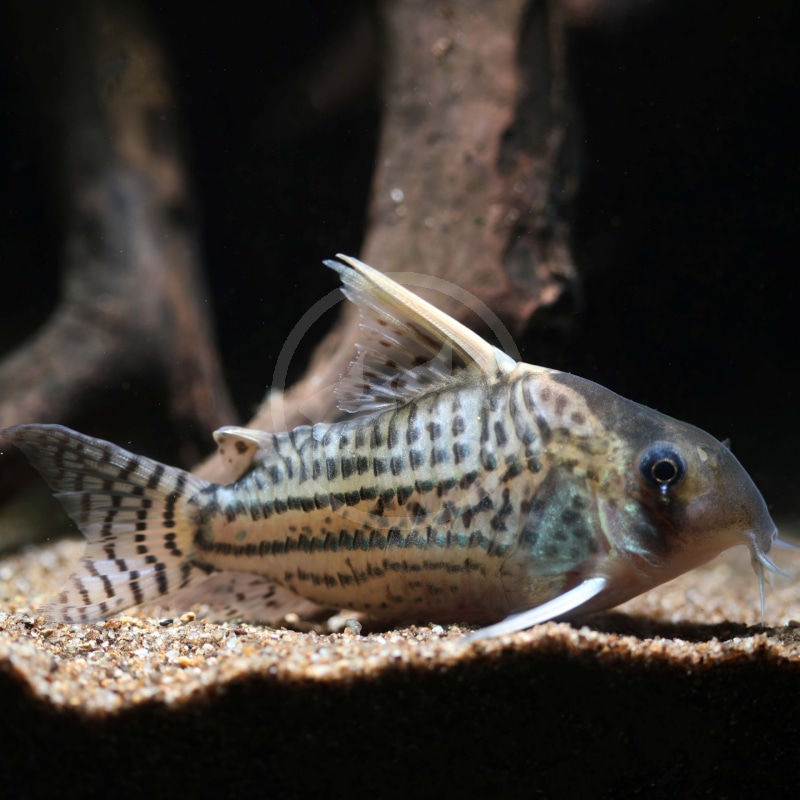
pixel 133 299
pixel 474 171
pixel 472 174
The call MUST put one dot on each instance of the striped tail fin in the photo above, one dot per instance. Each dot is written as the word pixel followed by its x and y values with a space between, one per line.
pixel 135 514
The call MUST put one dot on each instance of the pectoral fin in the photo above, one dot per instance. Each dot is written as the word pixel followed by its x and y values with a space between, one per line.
pixel 557 607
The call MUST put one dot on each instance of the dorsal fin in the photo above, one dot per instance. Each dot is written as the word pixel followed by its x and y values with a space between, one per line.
pixel 408 346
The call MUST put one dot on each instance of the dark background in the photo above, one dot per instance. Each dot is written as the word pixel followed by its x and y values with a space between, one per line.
pixel 685 231
pixel 685 237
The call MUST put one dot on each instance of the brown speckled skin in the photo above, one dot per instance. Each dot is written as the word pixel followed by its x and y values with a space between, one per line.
pixel 480 500
pixel 465 487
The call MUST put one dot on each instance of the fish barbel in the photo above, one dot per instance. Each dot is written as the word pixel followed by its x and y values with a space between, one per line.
pixel 466 486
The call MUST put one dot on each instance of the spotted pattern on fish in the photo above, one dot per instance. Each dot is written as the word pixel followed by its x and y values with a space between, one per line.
pixel 466 486
pixel 117 499
pixel 461 517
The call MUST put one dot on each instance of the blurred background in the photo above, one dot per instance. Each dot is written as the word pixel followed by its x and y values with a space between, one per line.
pixel 684 229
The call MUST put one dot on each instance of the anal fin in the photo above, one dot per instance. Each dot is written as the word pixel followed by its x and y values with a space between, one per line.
pixel 242 595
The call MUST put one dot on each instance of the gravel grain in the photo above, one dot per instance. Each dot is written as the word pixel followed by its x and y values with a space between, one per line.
pixel 707 618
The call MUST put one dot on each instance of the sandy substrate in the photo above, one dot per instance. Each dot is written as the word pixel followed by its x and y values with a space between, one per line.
pixel 694 652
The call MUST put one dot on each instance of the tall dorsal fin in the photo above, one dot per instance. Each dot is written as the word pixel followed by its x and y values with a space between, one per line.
pixel 408 346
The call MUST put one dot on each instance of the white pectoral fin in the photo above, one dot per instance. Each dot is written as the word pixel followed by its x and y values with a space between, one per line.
pixel 557 607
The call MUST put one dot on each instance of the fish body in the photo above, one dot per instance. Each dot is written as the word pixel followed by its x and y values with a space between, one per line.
pixel 465 487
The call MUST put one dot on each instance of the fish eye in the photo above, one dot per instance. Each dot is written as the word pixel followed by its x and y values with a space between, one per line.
pixel 662 466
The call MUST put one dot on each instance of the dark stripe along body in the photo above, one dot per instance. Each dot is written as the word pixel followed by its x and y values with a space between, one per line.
pixel 409 511
pixel 467 486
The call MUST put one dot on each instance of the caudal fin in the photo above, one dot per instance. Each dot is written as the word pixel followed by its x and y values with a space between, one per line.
pixel 134 512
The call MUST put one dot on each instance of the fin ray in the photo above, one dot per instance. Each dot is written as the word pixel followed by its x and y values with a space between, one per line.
pixel 135 513
pixel 408 346
pixel 234 595
pixel 557 607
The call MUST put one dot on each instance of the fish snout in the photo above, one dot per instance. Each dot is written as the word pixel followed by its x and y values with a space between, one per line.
pixel 762 537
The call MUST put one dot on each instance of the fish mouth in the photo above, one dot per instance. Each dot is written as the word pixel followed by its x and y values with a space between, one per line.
pixel 760 545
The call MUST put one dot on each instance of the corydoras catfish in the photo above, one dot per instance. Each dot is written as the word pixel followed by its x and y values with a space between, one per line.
pixel 464 486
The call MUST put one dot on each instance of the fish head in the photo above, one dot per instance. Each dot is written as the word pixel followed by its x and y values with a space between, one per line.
pixel 694 492
pixel 670 496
